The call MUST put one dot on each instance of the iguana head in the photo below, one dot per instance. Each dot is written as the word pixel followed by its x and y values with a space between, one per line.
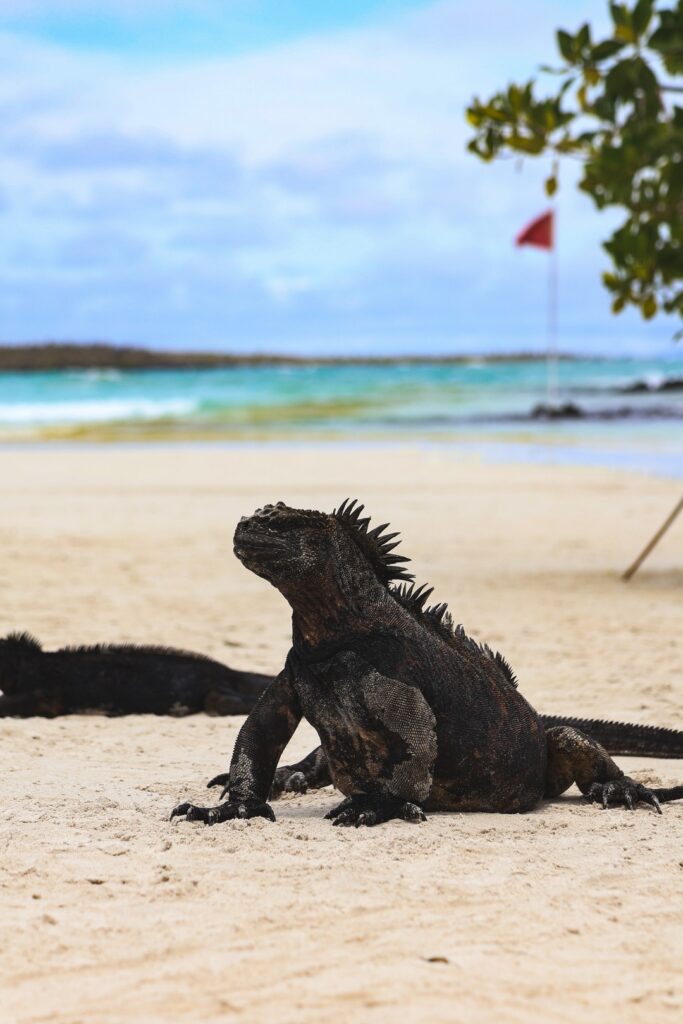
pixel 285 545
pixel 19 644
pixel 326 564
pixel 15 649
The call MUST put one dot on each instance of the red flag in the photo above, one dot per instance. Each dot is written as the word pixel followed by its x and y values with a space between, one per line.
pixel 540 232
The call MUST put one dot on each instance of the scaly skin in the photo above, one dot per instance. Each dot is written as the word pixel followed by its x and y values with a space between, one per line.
pixel 616 738
pixel 412 715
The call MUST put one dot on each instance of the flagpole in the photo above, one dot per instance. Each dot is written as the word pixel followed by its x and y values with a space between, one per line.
pixel 552 362
pixel 541 232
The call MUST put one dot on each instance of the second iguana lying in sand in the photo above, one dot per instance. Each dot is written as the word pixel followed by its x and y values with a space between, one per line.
pixel 118 679
pixel 412 715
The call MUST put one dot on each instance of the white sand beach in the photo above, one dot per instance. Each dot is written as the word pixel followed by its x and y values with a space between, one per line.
pixel 109 913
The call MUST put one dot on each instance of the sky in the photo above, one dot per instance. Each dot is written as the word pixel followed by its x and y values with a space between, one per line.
pixel 285 176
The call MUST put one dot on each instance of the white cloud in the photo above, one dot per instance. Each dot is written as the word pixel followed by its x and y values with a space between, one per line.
pixel 329 171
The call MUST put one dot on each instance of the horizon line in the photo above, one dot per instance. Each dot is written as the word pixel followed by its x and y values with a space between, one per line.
pixel 54 355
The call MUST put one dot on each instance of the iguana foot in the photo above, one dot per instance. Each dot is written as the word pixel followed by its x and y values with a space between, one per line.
pixel 285 781
pixel 224 812
pixel 220 780
pixel 366 810
pixel 348 802
pixel 624 791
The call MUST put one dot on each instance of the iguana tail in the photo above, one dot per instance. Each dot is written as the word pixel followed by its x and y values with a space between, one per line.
pixel 672 793
pixel 626 739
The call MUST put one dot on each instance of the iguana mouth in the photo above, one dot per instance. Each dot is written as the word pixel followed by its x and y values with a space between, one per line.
pixel 248 543
pixel 261 551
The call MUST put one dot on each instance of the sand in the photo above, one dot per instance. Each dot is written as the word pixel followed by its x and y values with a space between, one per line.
pixel 110 913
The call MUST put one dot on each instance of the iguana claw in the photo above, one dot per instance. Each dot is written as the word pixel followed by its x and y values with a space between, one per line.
pixel 369 811
pixel 220 780
pixel 224 812
pixel 623 791
pixel 336 811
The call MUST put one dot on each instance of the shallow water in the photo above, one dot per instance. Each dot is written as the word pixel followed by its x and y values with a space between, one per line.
pixel 472 401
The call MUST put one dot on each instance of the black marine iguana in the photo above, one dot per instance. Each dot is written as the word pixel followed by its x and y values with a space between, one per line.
pixel 119 680
pixel 412 715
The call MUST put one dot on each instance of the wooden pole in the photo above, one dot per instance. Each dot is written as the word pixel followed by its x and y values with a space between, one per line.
pixel 632 569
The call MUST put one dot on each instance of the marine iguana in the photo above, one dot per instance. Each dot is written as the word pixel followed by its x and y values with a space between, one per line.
pixel 119 680
pixel 412 714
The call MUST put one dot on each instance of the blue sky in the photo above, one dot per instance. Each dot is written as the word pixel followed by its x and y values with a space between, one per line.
pixel 283 175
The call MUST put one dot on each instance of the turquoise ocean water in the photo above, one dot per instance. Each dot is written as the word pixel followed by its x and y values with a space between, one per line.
pixel 632 409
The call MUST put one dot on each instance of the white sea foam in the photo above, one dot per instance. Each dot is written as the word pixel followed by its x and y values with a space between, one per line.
pixel 94 411
pixel 94 376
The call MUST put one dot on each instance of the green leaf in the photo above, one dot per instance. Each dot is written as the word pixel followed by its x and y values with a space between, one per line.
pixel 624 80
pixel 515 98
pixel 565 44
pixel 623 25
pixel 649 307
pixel 667 39
pixel 647 81
pixel 642 15
pixel 621 16
pixel 618 82
pixel 581 97
pixel 607 49
pixel 583 37
pixel 524 144
pixel 551 185
pixel 567 145
pixel 493 113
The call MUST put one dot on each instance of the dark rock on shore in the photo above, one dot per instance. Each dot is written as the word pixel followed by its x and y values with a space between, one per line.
pixel 564 411
pixel 640 387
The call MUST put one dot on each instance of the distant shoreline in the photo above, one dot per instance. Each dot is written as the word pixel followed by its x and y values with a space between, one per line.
pixel 101 356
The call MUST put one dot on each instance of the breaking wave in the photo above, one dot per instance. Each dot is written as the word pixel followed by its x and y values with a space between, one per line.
pixel 112 410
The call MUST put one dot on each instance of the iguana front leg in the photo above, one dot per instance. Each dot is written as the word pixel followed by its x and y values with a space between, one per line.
pixel 384 757
pixel 260 743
